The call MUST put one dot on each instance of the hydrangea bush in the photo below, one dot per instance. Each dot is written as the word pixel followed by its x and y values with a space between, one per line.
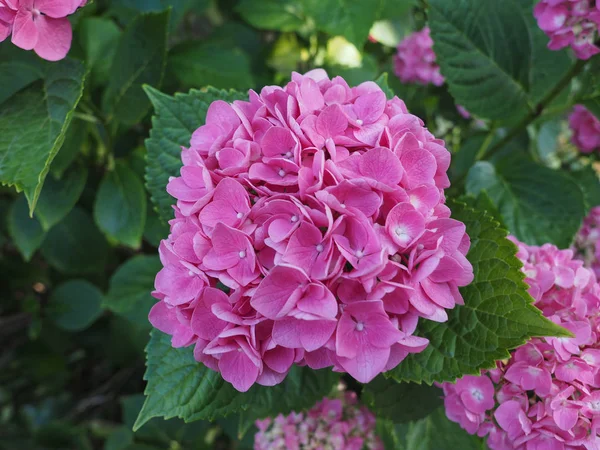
pixel 218 213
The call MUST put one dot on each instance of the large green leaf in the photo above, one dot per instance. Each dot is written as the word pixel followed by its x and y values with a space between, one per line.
pixel 279 15
pixel 33 123
pixel 140 59
pixel 27 233
pixel 494 56
pixel 130 287
pixel 498 314
pixel 74 305
pixel 179 386
pixel 200 63
pixel 401 402
pixel 75 245
pixel 537 204
pixel 120 207
pixel 175 119
pixel 349 18
pixel 59 196
pixel 99 37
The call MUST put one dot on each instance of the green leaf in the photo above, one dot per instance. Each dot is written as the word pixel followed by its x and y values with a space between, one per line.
pixel 179 386
pixel 140 59
pixel 99 38
pixel 593 105
pixel 400 402
pixel 120 207
pixel 382 82
pixel 130 287
pixel 494 56
pixel 125 10
pixel 75 245
pixel 15 75
pixel 201 63
pixel 279 15
pixel 74 305
pixel 349 18
pixel 26 233
pixel 33 124
pixel 588 181
pixel 75 141
pixel 155 230
pixel 498 314
pixel 60 196
pixel 120 439
pixel 537 204
pixel 175 119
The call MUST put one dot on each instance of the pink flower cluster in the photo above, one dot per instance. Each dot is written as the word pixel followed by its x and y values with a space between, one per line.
pixel 587 241
pixel 319 210
pixel 39 25
pixel 415 60
pixel 336 424
pixel 547 395
pixel 586 129
pixel 570 23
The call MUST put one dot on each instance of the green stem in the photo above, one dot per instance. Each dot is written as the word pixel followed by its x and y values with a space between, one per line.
pixel 537 110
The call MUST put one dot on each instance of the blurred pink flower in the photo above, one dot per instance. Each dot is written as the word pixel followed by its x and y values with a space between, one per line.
pixel 415 60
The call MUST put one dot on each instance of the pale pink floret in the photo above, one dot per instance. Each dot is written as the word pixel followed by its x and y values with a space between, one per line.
pixel 586 129
pixel 339 423
pixel 547 395
pixel 415 60
pixel 39 25
pixel 570 23
pixel 318 210
pixel 587 241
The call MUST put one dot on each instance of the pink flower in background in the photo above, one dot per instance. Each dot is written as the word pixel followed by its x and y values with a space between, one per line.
pixel 571 23
pixel 463 112
pixel 318 210
pixel 39 25
pixel 587 241
pixel 338 423
pixel 415 60
pixel 547 395
pixel 586 129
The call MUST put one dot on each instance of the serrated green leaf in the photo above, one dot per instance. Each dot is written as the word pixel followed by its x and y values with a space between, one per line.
pixel 120 207
pixel 349 18
pixel 400 402
pixel 494 56
pixel 75 245
pixel 60 196
pixel 179 386
pixel 33 124
pixel 27 233
pixel 74 305
pixel 538 204
pixel 140 59
pixel 201 63
pixel 130 287
pixel 498 314
pixel 175 119
pixel 280 15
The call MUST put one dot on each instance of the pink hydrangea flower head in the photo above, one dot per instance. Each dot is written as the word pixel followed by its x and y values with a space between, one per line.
pixel 571 23
pixel 547 394
pixel 414 61
pixel 587 241
pixel 339 423
pixel 586 129
pixel 39 25
pixel 310 229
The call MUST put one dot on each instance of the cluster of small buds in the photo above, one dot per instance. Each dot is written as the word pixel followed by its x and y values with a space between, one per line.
pixel 586 129
pixel 547 395
pixel 39 25
pixel 310 229
pixel 414 61
pixel 571 23
pixel 587 241
pixel 332 424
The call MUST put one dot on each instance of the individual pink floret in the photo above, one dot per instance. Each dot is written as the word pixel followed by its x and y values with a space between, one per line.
pixel 586 129
pixel 571 23
pixel 39 25
pixel 415 60
pixel 547 395
pixel 318 211
pixel 337 423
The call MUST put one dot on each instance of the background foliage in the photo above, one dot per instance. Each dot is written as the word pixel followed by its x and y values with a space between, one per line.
pixel 78 244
